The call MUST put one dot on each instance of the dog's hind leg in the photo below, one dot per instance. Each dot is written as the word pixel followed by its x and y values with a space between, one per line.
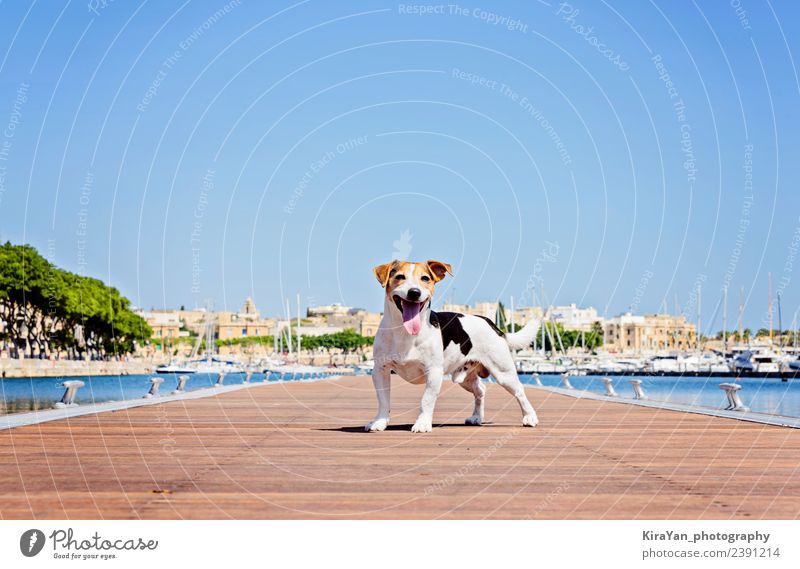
pixel 382 382
pixel 506 376
pixel 474 385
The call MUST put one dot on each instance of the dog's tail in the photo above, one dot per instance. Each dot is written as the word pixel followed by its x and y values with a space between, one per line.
pixel 524 338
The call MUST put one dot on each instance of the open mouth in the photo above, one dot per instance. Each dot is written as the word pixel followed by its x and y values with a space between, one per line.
pixel 412 320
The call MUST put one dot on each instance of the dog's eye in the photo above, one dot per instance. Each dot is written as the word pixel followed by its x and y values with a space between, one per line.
pixel 400 277
pixel 425 278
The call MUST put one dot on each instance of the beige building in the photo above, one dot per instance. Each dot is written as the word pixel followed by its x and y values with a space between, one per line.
pixel 485 309
pixel 166 325
pixel 573 318
pixel 524 315
pixel 329 310
pixel 193 319
pixel 314 330
pixel 369 323
pixel 243 324
pixel 343 317
pixel 651 333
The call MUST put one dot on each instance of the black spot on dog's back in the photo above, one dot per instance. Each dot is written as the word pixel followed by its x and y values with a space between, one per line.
pixel 494 327
pixel 449 324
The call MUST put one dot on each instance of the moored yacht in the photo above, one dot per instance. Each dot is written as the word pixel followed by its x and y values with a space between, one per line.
pixel 175 367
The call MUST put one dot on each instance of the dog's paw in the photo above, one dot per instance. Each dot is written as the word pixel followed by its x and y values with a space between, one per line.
pixel 530 420
pixel 473 420
pixel 376 425
pixel 422 426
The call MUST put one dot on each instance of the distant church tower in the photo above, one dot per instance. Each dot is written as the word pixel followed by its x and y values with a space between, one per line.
pixel 249 309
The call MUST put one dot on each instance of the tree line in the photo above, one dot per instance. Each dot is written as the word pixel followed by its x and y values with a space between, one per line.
pixel 45 310
pixel 347 341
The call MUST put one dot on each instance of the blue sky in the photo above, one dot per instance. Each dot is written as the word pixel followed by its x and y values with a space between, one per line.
pixel 210 149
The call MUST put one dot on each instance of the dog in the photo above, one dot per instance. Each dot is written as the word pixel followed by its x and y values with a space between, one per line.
pixel 422 346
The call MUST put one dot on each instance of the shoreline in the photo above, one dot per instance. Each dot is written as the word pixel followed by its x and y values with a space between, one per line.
pixel 23 369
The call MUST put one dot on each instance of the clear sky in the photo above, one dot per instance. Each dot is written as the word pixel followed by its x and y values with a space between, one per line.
pixel 615 154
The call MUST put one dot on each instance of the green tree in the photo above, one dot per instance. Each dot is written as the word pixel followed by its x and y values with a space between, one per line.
pixel 50 309
pixel 500 317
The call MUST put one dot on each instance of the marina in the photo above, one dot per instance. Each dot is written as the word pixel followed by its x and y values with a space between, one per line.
pixel 297 450
pixel 34 394
pixel 765 396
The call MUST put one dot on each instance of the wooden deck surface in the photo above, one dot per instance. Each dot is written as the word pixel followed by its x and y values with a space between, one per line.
pixel 297 450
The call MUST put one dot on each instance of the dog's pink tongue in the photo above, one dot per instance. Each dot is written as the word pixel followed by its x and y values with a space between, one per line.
pixel 411 319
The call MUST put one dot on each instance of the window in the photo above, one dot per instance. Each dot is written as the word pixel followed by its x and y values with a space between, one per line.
pixel 244 331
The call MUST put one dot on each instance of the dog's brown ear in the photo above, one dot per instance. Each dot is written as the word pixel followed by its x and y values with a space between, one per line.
pixel 382 272
pixel 439 270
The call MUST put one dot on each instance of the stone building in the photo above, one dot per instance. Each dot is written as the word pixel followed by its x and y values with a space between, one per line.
pixel 650 333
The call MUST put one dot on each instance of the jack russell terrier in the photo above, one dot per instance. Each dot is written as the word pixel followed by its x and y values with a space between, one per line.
pixel 421 346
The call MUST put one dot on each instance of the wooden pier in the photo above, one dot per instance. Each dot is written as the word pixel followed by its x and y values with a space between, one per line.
pixel 298 450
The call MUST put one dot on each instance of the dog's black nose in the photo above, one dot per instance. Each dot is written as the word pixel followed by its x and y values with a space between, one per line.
pixel 413 294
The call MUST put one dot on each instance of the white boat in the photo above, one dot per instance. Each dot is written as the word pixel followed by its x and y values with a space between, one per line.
pixel 539 364
pixel 215 364
pixel 620 365
pixel 664 364
pixel 757 360
pixel 693 363
pixel 703 363
pixel 175 367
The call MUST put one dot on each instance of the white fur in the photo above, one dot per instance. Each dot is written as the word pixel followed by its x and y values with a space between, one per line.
pixel 422 359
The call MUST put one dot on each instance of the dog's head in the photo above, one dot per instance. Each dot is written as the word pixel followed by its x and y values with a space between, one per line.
pixel 409 286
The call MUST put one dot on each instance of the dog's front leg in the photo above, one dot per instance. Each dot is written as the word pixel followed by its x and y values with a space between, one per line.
pixel 433 384
pixel 381 381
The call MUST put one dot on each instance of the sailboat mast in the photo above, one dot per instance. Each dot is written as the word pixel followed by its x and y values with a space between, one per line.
pixel 769 292
pixel 725 319
pixel 794 330
pixel 209 330
pixel 741 315
pixel 780 324
pixel 699 312
pixel 299 338
pixel 544 322
pixel 288 327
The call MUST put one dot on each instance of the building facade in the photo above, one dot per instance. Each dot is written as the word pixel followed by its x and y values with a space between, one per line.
pixel 344 317
pixel 246 323
pixel 166 325
pixel 573 318
pixel 651 333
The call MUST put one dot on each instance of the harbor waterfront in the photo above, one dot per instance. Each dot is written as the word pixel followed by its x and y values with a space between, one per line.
pixel 39 393
pixel 768 396
pixel 762 395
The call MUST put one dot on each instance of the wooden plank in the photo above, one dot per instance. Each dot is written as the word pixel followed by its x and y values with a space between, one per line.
pixel 297 450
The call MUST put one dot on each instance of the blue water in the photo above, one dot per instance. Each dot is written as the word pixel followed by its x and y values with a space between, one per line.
pixel 761 395
pixel 30 394
pixel 771 396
